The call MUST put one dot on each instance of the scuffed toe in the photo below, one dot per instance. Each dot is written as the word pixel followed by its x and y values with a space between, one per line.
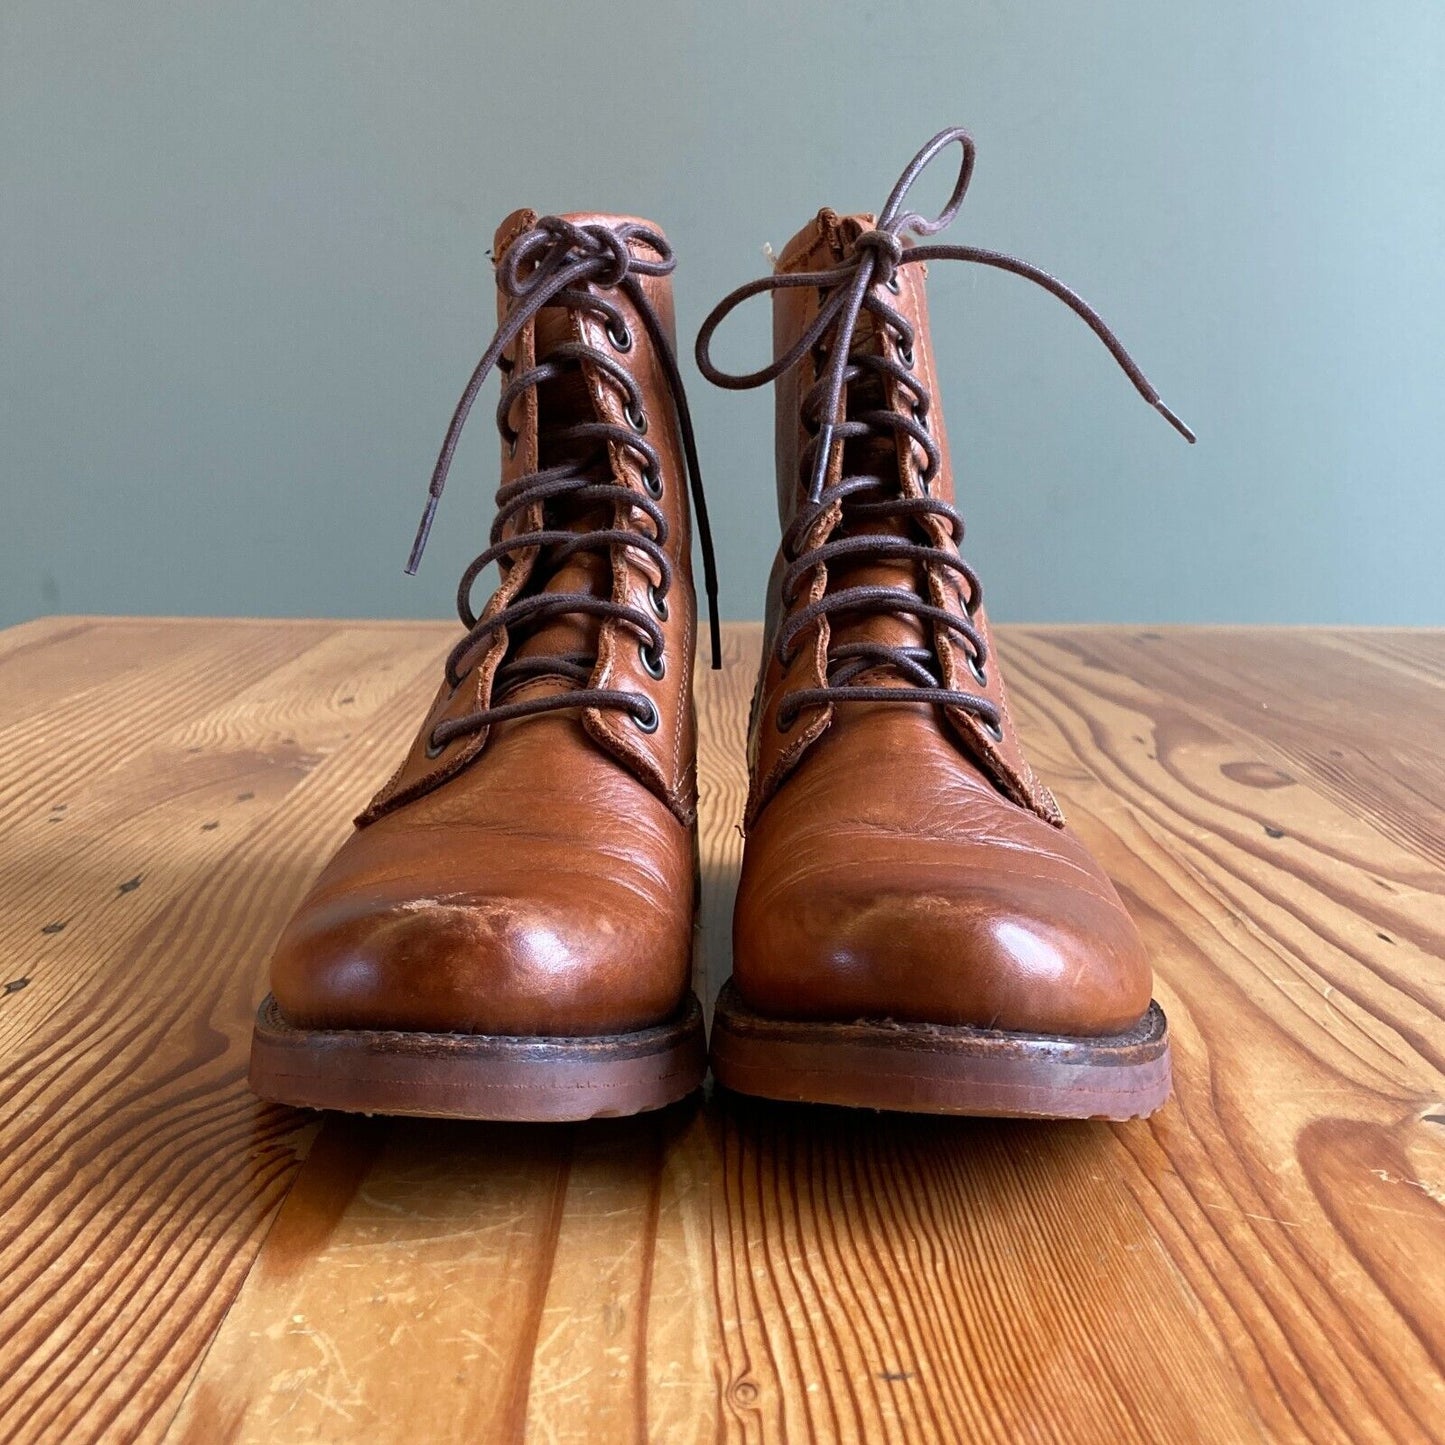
pixel 990 917
pixel 481 939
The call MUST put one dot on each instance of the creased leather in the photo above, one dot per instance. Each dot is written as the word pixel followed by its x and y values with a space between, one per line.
pixel 889 878
pixel 543 890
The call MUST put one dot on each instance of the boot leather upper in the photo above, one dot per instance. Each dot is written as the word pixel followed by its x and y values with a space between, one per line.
pixel 901 861
pixel 538 877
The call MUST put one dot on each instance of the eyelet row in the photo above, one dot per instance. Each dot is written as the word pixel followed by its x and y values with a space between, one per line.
pixel 621 340
pixel 636 417
pixel 654 664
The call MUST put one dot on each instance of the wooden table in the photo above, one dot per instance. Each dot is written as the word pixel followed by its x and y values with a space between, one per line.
pixel 1264 1259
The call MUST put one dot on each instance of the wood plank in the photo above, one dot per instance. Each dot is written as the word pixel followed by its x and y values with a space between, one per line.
pixel 1299 1022
pixel 140 1172
pixel 916 1279
pixel 1252 1263
pixel 443 1281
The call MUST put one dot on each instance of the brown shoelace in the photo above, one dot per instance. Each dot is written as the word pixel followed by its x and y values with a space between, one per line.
pixel 847 290
pixel 554 263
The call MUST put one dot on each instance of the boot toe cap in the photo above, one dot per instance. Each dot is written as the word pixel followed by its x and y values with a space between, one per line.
pixel 543 954
pixel 919 932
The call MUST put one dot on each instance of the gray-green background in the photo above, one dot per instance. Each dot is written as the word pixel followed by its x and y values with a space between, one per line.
pixel 243 277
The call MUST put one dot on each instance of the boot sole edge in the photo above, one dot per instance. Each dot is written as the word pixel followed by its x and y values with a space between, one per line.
pixel 532 1079
pixel 942 1069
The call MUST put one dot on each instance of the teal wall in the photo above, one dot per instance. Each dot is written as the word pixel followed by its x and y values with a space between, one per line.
pixel 243 276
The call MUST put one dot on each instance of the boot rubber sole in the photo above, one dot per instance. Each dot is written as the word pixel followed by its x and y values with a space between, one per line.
pixel 942 1069
pixel 478 1076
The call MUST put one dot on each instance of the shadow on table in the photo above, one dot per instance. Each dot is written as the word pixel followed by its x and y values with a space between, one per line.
pixel 729 1163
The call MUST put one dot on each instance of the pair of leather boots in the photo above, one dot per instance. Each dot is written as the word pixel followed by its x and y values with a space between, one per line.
pixel 509 932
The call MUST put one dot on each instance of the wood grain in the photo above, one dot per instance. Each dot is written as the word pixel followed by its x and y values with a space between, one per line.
pixel 1260 1261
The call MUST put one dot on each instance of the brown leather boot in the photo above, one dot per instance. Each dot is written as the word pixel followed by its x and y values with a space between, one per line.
pixel 508 933
pixel 916 928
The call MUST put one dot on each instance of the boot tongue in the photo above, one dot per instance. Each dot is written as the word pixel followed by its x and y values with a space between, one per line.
pixel 561 403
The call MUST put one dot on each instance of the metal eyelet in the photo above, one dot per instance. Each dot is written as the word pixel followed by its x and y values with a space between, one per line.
pixel 434 749
pixel 893 285
pixel 621 340
pixel 652 484
pixel 657 602
pixel 636 417
pixel 994 730
pixel 649 719
pixel 781 725
pixel 512 446
pixel 905 355
pixel 654 664
pixel 976 668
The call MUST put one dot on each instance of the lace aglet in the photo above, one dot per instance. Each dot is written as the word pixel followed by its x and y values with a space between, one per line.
pixel 423 531
pixel 1182 427
pixel 821 459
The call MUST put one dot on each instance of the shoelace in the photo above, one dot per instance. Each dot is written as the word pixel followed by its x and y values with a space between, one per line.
pixel 848 290
pixel 552 264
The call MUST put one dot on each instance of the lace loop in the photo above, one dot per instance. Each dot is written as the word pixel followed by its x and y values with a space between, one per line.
pixel 873 260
